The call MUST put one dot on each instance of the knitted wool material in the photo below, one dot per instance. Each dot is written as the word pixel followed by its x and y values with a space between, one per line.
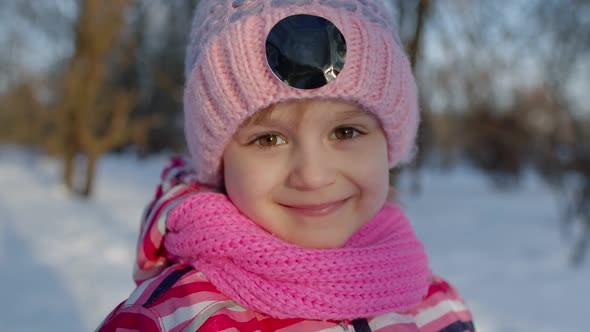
pixel 382 268
pixel 228 78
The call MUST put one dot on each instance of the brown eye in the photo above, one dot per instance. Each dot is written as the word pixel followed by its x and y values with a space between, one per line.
pixel 345 133
pixel 268 140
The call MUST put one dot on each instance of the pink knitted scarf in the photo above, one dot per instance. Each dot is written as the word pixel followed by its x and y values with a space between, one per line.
pixel 382 268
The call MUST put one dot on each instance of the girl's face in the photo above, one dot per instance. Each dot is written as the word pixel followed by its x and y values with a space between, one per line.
pixel 311 172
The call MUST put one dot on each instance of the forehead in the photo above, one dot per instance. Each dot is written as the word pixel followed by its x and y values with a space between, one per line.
pixel 294 111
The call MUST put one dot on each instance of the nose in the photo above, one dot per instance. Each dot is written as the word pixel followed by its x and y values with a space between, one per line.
pixel 311 168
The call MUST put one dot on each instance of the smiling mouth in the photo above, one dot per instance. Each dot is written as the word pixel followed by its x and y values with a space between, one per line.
pixel 316 210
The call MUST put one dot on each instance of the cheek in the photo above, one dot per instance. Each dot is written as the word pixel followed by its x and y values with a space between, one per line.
pixel 237 176
pixel 248 180
pixel 373 172
pixel 376 181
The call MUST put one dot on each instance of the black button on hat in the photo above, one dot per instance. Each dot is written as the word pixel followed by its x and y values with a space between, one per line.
pixel 305 51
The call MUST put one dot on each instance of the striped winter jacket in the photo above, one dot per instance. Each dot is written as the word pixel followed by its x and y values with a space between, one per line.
pixel 174 297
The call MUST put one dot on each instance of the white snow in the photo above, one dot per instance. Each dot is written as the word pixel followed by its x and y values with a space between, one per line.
pixel 65 262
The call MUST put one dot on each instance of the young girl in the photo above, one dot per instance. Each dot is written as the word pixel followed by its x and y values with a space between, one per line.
pixel 294 112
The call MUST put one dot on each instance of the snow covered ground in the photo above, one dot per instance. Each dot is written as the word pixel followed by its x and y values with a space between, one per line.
pixel 65 263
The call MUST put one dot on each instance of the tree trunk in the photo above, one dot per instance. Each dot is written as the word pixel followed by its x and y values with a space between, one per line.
pixel 91 160
pixel 413 52
pixel 421 140
pixel 95 110
pixel 68 169
pixel 582 244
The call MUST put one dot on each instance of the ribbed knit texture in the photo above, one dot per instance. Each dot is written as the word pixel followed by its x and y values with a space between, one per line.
pixel 228 78
pixel 382 268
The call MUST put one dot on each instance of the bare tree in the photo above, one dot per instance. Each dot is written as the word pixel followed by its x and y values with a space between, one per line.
pixel 498 76
pixel 412 15
pixel 93 115
pixel 566 152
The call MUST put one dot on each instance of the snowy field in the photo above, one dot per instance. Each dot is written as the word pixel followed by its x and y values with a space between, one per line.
pixel 65 263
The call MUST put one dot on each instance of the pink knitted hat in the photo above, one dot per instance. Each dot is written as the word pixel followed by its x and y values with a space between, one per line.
pixel 228 77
